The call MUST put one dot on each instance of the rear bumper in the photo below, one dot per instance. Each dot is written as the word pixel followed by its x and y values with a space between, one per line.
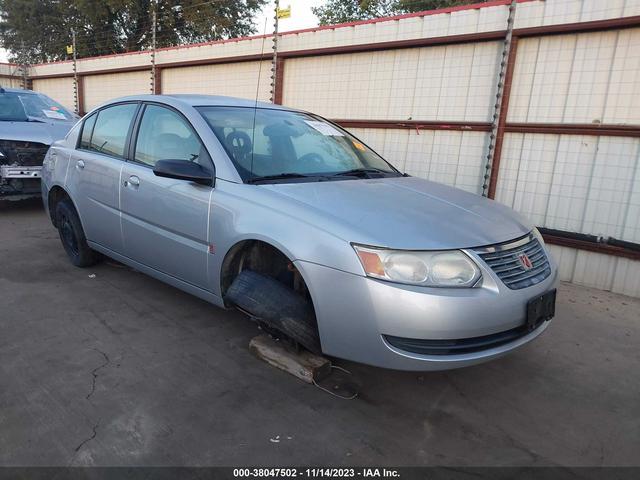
pixel 356 313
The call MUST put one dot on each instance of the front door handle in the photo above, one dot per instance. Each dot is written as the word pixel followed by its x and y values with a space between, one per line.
pixel 133 181
pixel 80 164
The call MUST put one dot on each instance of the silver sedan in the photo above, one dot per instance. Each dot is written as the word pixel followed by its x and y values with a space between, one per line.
pixel 294 221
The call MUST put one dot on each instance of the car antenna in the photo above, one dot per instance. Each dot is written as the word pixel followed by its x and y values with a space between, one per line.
pixel 255 104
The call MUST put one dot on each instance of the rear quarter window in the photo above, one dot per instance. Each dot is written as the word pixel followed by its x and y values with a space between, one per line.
pixel 87 130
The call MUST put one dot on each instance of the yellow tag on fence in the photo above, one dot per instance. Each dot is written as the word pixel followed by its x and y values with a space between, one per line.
pixel 284 12
pixel 69 49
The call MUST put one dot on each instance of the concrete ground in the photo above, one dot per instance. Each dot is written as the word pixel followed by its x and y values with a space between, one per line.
pixel 106 366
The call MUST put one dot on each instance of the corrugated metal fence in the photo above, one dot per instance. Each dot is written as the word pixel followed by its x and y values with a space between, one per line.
pixel 421 90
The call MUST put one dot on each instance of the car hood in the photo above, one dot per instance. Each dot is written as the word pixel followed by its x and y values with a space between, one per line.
pixel 47 132
pixel 405 213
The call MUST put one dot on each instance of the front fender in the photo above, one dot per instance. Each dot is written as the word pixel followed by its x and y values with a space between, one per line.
pixel 238 215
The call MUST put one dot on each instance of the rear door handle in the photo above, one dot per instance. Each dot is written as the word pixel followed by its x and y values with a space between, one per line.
pixel 80 164
pixel 133 181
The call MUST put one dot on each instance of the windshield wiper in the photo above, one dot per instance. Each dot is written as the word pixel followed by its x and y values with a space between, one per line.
pixel 279 176
pixel 359 172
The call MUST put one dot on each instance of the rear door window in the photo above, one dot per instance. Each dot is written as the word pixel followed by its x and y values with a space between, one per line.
pixel 111 129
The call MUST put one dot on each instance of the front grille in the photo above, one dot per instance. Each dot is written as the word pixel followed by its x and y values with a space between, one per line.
pixel 27 154
pixel 504 260
pixel 459 346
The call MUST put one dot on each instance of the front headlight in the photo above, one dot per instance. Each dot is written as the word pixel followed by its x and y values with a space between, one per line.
pixel 449 268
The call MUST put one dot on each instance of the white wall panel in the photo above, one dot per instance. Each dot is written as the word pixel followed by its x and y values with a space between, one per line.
pixel 526 170
pixel 631 222
pixel 589 81
pixel 429 81
pixel 566 261
pixel 594 269
pixel 554 12
pixel 541 79
pixel 14 79
pixel 631 8
pixel 343 86
pixel 450 157
pixel 60 89
pixel 10 82
pixel 567 11
pixel 235 80
pixel 606 272
pixel 529 14
pixel 101 88
pixel 482 87
pixel 611 189
pixel 600 10
pixel 463 21
pixel 572 176
pixel 456 77
pixel 627 277
pixel 623 95
pixel 8 68
pixel 580 78
pixel 577 183
pixel 455 83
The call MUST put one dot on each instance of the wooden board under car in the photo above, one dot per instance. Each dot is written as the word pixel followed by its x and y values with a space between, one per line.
pixel 305 365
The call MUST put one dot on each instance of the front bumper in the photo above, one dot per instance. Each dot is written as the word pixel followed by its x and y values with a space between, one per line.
pixel 356 313
pixel 17 180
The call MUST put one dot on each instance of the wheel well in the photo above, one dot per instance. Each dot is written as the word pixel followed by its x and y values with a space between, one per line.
pixel 56 194
pixel 263 258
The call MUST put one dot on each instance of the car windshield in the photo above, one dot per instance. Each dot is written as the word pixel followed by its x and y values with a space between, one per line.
pixel 291 146
pixel 25 107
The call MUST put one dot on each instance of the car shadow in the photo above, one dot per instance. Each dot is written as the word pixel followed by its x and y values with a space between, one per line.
pixel 15 206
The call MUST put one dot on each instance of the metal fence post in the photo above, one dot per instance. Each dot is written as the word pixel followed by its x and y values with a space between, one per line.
pixel 499 119
pixel 154 21
pixel 23 66
pixel 274 61
pixel 76 101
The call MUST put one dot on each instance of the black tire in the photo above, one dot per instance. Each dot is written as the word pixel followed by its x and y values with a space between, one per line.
pixel 72 235
pixel 278 306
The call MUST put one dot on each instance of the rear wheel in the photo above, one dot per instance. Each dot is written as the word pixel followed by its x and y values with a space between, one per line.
pixel 72 235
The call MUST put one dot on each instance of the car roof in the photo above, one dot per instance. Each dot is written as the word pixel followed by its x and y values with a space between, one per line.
pixel 201 101
pixel 17 90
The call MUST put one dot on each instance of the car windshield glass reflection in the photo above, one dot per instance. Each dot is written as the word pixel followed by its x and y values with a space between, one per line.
pixel 25 107
pixel 291 146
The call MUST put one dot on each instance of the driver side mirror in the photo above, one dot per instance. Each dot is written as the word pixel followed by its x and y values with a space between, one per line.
pixel 183 170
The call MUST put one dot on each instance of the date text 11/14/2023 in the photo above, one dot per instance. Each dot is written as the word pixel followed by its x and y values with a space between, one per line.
pixel 315 473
